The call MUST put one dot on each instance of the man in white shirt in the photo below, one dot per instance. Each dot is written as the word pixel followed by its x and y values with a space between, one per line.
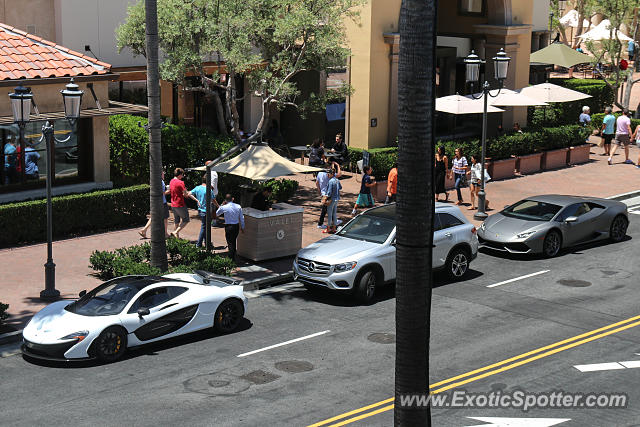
pixel 234 223
pixel 623 137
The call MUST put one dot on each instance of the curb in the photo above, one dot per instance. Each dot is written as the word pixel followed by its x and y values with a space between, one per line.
pixel 10 337
pixel 267 282
pixel 625 196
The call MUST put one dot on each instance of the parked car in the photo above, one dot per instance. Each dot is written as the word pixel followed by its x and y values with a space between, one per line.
pixel 133 310
pixel 546 224
pixel 362 256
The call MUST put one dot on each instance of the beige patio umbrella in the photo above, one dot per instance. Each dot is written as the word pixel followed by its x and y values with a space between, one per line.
pixel 603 31
pixel 457 104
pixel 260 162
pixel 511 98
pixel 571 19
pixel 548 92
pixel 559 54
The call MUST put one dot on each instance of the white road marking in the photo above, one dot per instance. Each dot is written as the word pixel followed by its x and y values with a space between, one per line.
pixel 518 278
pixel 272 290
pixel 599 367
pixel 518 422
pixel 284 343
pixel 631 364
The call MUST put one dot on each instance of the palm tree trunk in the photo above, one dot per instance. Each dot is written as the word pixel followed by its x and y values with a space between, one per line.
pixel 414 238
pixel 158 244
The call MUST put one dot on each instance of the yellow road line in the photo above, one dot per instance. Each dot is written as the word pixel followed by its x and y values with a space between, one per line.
pixel 554 346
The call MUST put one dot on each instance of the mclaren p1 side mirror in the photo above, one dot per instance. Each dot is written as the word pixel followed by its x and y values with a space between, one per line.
pixel 143 312
pixel 571 219
pixel 82 293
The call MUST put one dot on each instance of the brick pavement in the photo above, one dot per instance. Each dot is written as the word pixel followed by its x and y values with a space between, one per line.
pixel 22 272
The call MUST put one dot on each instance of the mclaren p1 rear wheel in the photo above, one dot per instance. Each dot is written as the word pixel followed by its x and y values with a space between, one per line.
pixel 228 316
pixel 111 344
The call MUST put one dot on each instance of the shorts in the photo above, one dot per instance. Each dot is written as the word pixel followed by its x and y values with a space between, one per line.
pixel 180 214
pixel 475 181
pixel 608 137
pixel 622 139
pixel 165 210
pixel 364 200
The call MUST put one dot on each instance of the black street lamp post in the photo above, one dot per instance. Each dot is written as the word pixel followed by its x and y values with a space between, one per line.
pixel 21 102
pixel 501 66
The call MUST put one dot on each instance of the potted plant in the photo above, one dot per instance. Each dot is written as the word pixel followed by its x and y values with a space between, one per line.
pixel 555 159
pixel 578 154
pixel 529 163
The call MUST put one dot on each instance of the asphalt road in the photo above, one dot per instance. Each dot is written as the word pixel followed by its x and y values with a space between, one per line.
pixel 347 361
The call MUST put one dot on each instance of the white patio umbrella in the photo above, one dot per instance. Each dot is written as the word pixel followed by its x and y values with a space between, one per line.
pixel 457 104
pixel 511 98
pixel 570 19
pixel 260 162
pixel 548 92
pixel 603 31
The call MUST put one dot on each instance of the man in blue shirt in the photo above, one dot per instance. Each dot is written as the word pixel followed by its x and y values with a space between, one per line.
pixel 608 131
pixel 200 193
pixel 9 162
pixel 234 223
pixel 333 193
pixel 31 158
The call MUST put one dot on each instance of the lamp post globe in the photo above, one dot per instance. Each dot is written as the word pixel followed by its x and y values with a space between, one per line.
pixel 72 98
pixel 21 99
pixel 472 64
pixel 501 65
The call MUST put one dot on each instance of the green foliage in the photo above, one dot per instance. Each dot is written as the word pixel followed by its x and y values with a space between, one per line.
pixel 566 113
pixel 597 119
pixel 282 189
pixel 75 214
pixel 184 257
pixel 381 159
pixel 182 146
pixel 3 312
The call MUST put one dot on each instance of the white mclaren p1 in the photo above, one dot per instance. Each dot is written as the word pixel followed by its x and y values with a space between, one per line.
pixel 133 310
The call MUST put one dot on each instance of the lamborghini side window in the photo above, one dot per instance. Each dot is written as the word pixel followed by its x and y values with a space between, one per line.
pixel 155 297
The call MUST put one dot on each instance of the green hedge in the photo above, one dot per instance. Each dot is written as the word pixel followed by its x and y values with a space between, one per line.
pixel 182 146
pixel 183 257
pixel 382 160
pixel 74 214
pixel 518 144
pixel 568 112
pixel 282 189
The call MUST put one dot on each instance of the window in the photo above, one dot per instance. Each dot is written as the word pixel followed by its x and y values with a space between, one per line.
pixel 155 297
pixel 471 7
pixel 370 228
pixel 577 209
pixel 447 220
pixel 531 210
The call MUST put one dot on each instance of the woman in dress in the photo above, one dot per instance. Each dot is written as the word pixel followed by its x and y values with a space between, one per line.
pixel 459 172
pixel 442 165
pixel 474 186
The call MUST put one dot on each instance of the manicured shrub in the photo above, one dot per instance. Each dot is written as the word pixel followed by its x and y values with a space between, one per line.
pixel 282 189
pixel 74 214
pixel 184 257
pixel 381 160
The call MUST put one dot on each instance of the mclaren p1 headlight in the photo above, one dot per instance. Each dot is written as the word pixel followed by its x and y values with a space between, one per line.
pixel 339 268
pixel 525 234
pixel 80 335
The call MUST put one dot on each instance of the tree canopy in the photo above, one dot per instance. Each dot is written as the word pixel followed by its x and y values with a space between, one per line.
pixel 268 42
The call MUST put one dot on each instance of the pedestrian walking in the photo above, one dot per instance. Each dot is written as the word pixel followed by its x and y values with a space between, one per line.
pixel 623 136
pixel 31 157
pixel 333 196
pixel 476 183
pixel 234 223
pixel 178 206
pixel 585 116
pixel 364 197
pixel 608 131
pixel 392 184
pixel 322 184
pixel 200 193
pixel 636 137
pixel 459 173
pixel 165 212
pixel 10 159
pixel 442 166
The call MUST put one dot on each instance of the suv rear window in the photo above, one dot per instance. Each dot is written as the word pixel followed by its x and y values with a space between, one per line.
pixel 445 220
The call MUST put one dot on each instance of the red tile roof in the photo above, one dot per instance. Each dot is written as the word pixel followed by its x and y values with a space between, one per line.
pixel 24 55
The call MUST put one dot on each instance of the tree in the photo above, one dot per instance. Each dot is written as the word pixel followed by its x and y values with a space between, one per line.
pixel 611 51
pixel 415 206
pixel 268 42
pixel 158 243
pixel 585 10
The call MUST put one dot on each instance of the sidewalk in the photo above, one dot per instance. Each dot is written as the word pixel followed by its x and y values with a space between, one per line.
pixel 22 271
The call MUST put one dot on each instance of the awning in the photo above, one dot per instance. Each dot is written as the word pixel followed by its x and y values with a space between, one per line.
pixel 559 54
pixel 457 104
pixel 548 92
pixel 113 109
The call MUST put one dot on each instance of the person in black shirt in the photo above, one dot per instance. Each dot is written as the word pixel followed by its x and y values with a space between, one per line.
pixel 316 155
pixel 261 200
pixel 340 148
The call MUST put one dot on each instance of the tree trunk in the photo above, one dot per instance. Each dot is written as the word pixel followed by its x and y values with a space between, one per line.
pixel 158 244
pixel 415 207
pixel 222 126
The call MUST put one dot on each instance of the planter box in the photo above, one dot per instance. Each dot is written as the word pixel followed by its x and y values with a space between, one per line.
pixel 579 154
pixel 530 163
pixel 501 169
pixel 379 192
pixel 555 159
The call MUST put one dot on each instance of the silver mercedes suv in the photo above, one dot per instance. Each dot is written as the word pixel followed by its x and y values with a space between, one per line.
pixel 362 254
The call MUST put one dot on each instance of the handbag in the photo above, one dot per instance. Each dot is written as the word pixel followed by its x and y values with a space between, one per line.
pixel 326 201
